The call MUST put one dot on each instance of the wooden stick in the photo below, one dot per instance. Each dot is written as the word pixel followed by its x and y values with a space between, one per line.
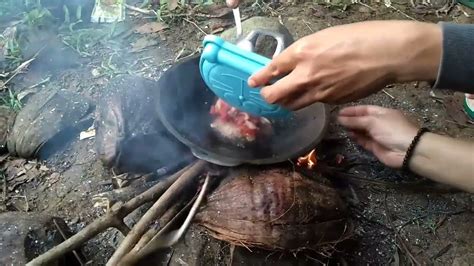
pixel 158 231
pixel 166 238
pixel 140 10
pixel 63 235
pixel 114 218
pixel 155 211
pixel 173 237
pixel 165 219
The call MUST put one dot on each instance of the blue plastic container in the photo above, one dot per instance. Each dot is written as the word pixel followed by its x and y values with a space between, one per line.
pixel 226 68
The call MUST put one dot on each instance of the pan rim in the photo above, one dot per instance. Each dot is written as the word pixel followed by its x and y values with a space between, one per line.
pixel 224 160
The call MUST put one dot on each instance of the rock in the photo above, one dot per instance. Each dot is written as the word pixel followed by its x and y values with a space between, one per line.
pixel 7 117
pixel 129 135
pixel 48 120
pixel 265 45
pixel 24 236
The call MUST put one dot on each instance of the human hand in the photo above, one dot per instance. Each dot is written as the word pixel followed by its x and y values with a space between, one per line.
pixel 233 3
pixel 349 62
pixel 387 133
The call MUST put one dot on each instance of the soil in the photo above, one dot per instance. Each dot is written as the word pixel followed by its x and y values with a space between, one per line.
pixel 396 216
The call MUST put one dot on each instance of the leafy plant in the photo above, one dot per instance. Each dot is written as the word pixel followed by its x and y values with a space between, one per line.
pixel 38 18
pixel 108 68
pixel 83 40
pixel 11 101
pixel 67 17
pixel 11 50
pixel 432 225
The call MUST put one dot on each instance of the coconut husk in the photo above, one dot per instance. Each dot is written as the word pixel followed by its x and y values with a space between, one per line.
pixel 129 135
pixel 276 210
pixel 48 120
pixel 7 117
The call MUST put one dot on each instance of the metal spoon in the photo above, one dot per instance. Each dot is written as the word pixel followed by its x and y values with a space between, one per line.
pixel 167 240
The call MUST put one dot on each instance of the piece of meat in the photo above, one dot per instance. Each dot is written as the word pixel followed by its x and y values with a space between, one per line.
pixel 233 124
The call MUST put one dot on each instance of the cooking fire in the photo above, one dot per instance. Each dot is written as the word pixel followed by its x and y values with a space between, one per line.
pixel 309 160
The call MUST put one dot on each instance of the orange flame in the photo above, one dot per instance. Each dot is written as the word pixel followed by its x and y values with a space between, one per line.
pixel 309 160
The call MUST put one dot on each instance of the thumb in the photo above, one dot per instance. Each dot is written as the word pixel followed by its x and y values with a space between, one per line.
pixel 232 3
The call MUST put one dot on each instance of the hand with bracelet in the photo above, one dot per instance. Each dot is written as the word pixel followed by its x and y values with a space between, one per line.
pixel 389 135
pixel 344 63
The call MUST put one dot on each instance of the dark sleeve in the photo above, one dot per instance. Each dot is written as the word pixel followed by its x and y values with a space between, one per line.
pixel 456 70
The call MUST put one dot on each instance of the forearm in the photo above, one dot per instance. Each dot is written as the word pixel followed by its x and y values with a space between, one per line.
pixel 437 53
pixel 445 160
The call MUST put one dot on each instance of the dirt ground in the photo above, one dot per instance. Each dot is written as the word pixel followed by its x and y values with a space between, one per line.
pixel 396 215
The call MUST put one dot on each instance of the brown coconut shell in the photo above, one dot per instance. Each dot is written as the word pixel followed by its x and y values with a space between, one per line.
pixel 275 210
pixel 7 117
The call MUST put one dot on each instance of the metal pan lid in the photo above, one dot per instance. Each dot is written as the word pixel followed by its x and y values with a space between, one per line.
pixel 184 105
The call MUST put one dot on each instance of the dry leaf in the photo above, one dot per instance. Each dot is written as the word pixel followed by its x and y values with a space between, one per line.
pixel 218 30
pixel 172 4
pixel 162 37
pixel 13 167
pixel 90 133
pixel 4 157
pixel 217 11
pixel 143 43
pixel 19 174
pixel 151 27
pixel 219 23
pixel 53 178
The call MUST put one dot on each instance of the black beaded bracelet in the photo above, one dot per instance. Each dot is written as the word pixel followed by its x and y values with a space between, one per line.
pixel 411 148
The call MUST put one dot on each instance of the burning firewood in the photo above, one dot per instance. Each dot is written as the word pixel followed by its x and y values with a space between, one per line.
pixel 276 210
pixel 308 160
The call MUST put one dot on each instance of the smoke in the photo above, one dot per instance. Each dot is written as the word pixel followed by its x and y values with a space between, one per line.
pixel 94 61
pixel 130 137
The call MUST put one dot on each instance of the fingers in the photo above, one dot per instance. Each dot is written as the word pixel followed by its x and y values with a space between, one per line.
pixel 232 3
pixel 360 123
pixel 279 66
pixel 361 110
pixel 282 91
pixel 302 99
pixel 300 102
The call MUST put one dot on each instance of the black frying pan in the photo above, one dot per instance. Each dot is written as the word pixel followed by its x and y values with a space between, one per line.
pixel 183 106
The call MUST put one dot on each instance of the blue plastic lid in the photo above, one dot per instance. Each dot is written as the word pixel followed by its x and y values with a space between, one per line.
pixel 226 68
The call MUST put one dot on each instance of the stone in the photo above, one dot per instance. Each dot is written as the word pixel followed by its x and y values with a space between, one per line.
pixel 24 236
pixel 265 45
